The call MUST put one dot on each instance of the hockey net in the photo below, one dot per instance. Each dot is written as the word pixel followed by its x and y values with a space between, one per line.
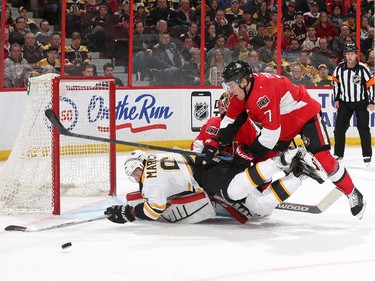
pixel 44 166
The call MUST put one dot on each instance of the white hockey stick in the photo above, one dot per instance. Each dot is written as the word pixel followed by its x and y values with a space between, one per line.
pixel 323 205
pixel 61 225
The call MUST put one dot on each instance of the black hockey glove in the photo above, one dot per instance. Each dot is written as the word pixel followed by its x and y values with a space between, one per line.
pixel 210 150
pixel 242 158
pixel 119 213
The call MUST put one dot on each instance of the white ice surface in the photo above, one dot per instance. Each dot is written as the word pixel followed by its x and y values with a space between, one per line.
pixel 286 246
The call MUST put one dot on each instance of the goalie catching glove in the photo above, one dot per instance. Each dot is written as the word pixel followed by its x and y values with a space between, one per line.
pixel 120 213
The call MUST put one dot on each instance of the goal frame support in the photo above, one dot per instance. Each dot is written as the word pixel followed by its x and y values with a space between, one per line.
pixel 56 136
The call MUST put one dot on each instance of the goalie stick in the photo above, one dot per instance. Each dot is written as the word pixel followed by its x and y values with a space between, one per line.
pixel 62 130
pixel 61 225
pixel 323 205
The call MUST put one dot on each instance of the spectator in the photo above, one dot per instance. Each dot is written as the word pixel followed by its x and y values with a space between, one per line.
pixel 211 13
pixel 185 15
pixel 52 10
pixel 32 49
pixel 305 63
pixel 19 32
pixel 186 47
pixel 167 61
pixel 222 25
pixel 287 38
pixel 55 41
pixel 6 45
pixel 312 41
pixel 233 39
pixel 108 69
pixel 97 34
pixel 297 77
pixel 76 55
pixel 258 40
pixel 122 14
pixel 365 26
pixel 269 69
pixel 312 16
pixel 48 69
pixel 217 65
pixel 266 52
pixel 350 22
pixel 271 26
pixel 88 70
pixel 142 48
pixel 322 55
pixel 220 44
pixel 325 29
pixel 288 18
pixel 242 50
pixel 224 4
pixel 43 36
pixel 74 11
pixel 285 66
pixel 140 14
pixel 338 44
pixel 256 64
pixel 192 33
pixel 29 22
pixel 371 62
pixel 368 44
pixel 161 12
pixel 342 4
pixel 336 17
pixel 191 72
pixel 291 54
pixel 14 67
pixel 247 20
pixel 233 14
pixel 299 28
pixel 9 21
pixel 262 14
pixel 51 59
pixel 323 79
pixel 210 36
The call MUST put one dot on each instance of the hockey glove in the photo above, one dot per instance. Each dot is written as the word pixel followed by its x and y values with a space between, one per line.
pixel 119 213
pixel 210 150
pixel 242 158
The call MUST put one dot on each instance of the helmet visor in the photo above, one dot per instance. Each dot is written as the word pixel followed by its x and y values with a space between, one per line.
pixel 230 86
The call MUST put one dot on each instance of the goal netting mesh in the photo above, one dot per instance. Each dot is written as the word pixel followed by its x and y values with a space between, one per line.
pixel 42 166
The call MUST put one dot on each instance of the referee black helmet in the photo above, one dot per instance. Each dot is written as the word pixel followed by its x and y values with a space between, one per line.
pixel 351 47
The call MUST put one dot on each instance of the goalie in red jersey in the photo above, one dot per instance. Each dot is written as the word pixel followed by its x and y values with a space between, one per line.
pixel 283 111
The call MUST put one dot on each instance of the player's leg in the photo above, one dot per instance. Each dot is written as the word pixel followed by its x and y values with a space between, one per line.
pixel 316 140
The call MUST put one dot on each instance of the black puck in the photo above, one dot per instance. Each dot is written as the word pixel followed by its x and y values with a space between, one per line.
pixel 66 245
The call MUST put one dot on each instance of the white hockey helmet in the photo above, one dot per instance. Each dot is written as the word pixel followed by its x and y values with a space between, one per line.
pixel 133 161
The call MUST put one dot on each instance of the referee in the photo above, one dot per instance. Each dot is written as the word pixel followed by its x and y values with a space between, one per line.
pixel 353 89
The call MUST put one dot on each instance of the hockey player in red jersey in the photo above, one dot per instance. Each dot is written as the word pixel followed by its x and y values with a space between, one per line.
pixel 283 111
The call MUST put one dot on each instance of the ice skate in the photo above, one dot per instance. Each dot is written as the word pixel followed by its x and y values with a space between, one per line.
pixel 310 167
pixel 357 204
pixel 285 159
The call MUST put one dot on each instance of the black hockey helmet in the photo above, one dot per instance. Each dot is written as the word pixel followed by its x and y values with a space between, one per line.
pixel 350 47
pixel 236 70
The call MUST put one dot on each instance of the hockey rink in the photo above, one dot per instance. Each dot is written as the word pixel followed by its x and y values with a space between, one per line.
pixel 285 246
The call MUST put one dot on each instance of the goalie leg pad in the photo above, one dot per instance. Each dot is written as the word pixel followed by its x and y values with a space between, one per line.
pixel 190 208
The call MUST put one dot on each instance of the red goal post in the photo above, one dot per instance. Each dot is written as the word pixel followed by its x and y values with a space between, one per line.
pixel 46 172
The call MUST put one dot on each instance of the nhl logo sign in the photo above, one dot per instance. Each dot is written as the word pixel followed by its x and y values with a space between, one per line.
pixel 356 79
pixel 201 110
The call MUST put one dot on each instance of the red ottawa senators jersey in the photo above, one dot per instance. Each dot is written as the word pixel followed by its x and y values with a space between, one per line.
pixel 279 106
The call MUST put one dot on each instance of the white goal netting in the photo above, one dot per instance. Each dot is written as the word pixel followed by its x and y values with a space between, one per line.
pixel 42 166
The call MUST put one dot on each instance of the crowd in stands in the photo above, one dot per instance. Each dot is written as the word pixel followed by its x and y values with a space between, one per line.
pixel 167 38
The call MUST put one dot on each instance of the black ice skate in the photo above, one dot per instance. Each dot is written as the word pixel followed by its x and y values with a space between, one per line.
pixel 357 204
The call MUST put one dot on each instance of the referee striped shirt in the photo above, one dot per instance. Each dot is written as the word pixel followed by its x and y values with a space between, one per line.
pixel 353 84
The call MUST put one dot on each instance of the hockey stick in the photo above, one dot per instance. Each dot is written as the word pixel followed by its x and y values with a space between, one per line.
pixel 323 205
pixel 66 224
pixel 62 130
